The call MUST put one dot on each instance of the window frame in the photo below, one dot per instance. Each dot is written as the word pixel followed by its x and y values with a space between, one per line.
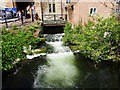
pixel 117 2
pixel 93 13
pixel 53 9
pixel 117 11
pixel 68 1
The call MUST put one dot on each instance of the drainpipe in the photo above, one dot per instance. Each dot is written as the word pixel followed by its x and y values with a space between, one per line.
pixel 42 10
pixel 13 3
pixel 66 13
pixel 61 9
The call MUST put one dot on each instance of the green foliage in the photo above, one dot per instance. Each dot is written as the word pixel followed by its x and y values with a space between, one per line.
pixel 38 23
pixel 35 26
pixel 29 52
pixel 93 42
pixel 68 33
pixel 14 27
pixel 12 46
pixel 41 51
pixel 0 53
pixel 33 29
pixel 42 39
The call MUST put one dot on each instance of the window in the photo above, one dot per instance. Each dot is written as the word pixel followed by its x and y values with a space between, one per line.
pixel 117 2
pixel 117 11
pixel 52 6
pixel 93 11
pixel 68 1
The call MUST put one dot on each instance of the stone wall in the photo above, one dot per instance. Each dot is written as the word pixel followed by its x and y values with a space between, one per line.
pixel 60 8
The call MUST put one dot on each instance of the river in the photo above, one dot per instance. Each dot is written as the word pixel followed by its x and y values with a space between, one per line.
pixel 62 68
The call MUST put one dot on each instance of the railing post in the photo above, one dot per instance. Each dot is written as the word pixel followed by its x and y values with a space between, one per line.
pixel 42 11
pixel 6 22
pixel 42 18
pixel 54 17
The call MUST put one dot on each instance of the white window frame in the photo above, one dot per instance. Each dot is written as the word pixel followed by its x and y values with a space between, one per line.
pixel 117 2
pixel 117 11
pixel 68 1
pixel 52 2
pixel 93 13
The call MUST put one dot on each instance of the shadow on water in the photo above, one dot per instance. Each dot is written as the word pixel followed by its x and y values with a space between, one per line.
pixel 104 75
pixel 23 76
pixel 53 29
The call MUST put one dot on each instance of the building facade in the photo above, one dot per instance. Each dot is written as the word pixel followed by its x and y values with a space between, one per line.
pixel 41 8
pixel 83 10
pixel 75 10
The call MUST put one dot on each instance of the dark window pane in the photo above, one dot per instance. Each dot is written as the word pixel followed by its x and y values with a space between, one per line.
pixel 49 7
pixel 94 10
pixel 53 7
pixel 91 10
pixel 67 2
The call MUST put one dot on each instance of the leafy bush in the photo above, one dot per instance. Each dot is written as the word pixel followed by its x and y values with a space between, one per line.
pixel 38 23
pixel 35 26
pixel 32 29
pixel 12 46
pixel 98 41
pixel 14 27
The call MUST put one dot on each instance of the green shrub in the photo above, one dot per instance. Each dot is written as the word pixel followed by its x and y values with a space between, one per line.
pixel 32 29
pixel 93 42
pixel 14 27
pixel 38 23
pixel 29 52
pixel 12 46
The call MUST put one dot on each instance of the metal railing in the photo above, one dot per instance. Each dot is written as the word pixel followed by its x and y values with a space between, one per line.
pixel 55 17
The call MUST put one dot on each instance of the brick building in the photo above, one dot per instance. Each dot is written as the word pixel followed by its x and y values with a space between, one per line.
pixel 41 8
pixel 75 9
pixel 83 10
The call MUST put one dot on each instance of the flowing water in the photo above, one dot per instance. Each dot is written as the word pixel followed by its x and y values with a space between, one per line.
pixel 61 68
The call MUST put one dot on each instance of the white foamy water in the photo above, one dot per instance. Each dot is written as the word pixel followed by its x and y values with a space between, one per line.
pixel 35 55
pixel 60 72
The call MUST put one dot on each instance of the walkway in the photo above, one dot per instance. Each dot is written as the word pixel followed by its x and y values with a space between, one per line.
pixel 18 23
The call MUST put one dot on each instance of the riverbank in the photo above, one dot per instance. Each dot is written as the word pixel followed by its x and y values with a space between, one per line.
pixel 15 39
pixel 62 68
pixel 97 40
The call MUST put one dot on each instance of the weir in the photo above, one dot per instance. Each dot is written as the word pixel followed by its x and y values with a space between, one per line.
pixel 60 70
pixel 53 23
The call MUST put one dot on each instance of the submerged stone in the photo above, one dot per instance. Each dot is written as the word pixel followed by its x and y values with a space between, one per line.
pixel 38 51
pixel 74 48
pixel 42 39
